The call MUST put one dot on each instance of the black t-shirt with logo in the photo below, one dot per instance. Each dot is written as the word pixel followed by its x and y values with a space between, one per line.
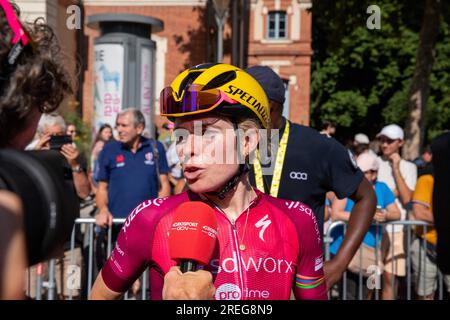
pixel 314 164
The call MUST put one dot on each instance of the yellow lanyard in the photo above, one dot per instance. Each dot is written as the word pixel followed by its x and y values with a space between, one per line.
pixel 275 186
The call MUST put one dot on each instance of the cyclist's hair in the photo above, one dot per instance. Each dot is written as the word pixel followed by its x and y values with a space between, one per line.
pixel 39 79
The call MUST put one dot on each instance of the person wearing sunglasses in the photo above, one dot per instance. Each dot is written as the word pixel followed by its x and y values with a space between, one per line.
pixel 267 247
pixel 400 176
pixel 33 80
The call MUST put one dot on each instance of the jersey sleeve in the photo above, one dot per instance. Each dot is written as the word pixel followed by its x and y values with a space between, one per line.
pixel 343 176
pixel 309 278
pixel 423 193
pixel 132 252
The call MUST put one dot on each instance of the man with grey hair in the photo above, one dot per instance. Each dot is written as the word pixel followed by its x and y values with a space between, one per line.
pixel 131 170
pixel 54 125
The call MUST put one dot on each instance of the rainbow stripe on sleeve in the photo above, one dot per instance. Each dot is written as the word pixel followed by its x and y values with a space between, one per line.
pixel 304 282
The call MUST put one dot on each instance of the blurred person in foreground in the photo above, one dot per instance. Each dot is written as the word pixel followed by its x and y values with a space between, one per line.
pixel 441 194
pixel 33 81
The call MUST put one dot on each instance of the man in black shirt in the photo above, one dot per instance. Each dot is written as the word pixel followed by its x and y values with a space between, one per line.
pixel 313 165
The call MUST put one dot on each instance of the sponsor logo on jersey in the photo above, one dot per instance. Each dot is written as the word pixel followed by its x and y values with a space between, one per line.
pixel 298 175
pixel 305 209
pixel 231 291
pixel 228 291
pixel 318 263
pixel 263 224
pixel 139 208
pixel 149 158
pixel 120 161
pixel 267 264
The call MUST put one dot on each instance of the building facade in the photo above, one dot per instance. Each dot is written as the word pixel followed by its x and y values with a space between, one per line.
pixel 279 36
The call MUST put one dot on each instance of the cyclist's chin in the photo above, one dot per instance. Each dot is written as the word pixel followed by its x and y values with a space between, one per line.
pixel 204 185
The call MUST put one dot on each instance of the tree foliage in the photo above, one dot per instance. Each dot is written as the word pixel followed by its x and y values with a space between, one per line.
pixel 360 77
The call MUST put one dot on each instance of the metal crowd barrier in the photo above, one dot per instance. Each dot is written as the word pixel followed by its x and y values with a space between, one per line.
pixel 407 230
pixel 48 283
pixel 45 278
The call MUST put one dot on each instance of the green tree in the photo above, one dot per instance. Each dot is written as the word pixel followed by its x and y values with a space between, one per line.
pixel 361 78
pixel 83 139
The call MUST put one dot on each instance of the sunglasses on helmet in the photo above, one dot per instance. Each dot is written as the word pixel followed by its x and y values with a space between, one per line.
pixel 193 100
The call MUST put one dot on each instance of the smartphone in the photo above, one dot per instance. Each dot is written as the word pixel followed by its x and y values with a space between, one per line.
pixel 56 142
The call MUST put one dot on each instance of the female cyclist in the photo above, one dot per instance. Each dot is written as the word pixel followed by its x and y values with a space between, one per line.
pixel 267 247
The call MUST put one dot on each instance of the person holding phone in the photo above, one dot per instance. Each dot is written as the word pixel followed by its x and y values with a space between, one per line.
pixel 51 136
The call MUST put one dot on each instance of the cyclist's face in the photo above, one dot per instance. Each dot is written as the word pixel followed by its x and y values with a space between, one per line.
pixel 206 147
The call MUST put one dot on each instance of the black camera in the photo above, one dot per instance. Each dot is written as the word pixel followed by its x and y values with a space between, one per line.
pixel 56 142
pixel 48 195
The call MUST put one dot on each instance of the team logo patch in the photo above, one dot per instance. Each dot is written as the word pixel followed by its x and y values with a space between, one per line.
pixel 228 291
pixel 298 175
pixel 120 160
pixel 149 158
pixel 318 263
pixel 263 224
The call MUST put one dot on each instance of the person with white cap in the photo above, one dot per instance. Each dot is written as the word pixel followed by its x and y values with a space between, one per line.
pixel 386 210
pixel 400 176
pixel 361 145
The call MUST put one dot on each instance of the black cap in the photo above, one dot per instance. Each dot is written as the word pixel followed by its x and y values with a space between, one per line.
pixel 271 83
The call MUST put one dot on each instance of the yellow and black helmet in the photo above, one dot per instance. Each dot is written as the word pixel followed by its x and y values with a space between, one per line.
pixel 206 87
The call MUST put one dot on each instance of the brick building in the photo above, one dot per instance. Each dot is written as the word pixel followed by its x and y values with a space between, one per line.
pixel 279 35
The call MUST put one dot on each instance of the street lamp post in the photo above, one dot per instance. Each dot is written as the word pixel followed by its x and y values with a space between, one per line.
pixel 221 9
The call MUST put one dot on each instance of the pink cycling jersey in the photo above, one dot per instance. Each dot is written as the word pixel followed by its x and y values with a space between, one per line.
pixel 273 247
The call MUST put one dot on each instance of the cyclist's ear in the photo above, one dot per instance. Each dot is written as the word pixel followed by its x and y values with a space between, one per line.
pixel 249 137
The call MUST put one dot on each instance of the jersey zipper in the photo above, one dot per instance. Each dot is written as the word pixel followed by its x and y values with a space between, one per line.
pixel 238 257
pixel 236 247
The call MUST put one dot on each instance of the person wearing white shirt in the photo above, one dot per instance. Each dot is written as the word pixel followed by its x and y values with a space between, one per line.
pixel 400 176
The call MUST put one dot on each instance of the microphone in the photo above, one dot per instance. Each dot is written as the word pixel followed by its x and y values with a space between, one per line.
pixel 192 235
